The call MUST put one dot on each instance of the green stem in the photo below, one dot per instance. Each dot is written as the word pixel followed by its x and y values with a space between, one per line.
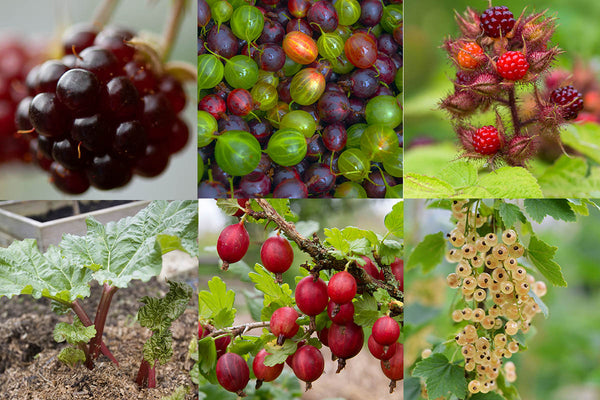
pixel 172 28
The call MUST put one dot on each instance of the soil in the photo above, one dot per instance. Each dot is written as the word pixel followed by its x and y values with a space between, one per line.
pixel 29 368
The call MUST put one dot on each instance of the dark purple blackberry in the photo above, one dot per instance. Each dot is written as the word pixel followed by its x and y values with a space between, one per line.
pixel 569 100
pixel 497 21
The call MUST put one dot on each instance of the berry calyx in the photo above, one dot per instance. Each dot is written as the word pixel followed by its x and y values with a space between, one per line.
pixel 277 255
pixel 308 364
pixel 342 287
pixel 497 21
pixel 232 244
pixel 233 373
pixel 470 55
pixel 283 324
pixel 262 372
pixel 569 99
pixel 486 140
pixel 311 296
pixel 386 331
pixel 512 65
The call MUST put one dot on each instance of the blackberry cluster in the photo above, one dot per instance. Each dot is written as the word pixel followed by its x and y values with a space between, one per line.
pixel 498 292
pixel 16 61
pixel 102 113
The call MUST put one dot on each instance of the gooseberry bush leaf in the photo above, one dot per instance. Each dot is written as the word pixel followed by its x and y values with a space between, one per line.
pixel 428 252
pixel 217 303
pixel 442 377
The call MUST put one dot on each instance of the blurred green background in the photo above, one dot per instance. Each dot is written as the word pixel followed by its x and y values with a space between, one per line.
pixel 563 359
pixel 427 69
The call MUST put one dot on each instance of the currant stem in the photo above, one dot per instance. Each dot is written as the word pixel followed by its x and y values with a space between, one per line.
pixel 103 13
pixel 172 28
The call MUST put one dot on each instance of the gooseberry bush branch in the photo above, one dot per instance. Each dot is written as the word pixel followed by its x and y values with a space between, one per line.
pixel 112 255
pixel 495 253
pixel 356 296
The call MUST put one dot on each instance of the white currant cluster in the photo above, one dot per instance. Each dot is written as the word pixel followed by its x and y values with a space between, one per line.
pixel 490 278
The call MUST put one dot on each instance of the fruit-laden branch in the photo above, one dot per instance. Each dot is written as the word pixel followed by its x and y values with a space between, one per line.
pixel 323 259
pixel 238 330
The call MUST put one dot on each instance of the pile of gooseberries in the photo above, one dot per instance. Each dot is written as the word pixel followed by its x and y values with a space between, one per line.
pixel 329 306
pixel 299 98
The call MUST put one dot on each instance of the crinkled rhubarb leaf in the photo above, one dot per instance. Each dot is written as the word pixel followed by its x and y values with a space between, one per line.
pixel 132 247
pixel 74 333
pixel 158 314
pixel 159 348
pixel 71 356
pixel 25 270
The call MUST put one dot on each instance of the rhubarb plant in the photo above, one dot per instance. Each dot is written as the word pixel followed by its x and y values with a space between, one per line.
pixel 158 315
pixel 113 255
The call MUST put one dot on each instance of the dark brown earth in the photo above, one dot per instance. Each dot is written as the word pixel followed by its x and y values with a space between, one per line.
pixel 29 368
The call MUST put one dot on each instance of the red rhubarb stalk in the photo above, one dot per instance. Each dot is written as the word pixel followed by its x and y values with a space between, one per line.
pixel 101 314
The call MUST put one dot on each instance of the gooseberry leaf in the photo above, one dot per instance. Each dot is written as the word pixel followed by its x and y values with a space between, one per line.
pixel 246 344
pixel 442 377
pixel 275 295
pixel 278 354
pixel 510 214
pixel 130 248
pixel 428 253
pixel 559 209
pixel 217 302
pixel 389 250
pixel 394 220
pixel 366 311
pixel 542 256
pixel 412 388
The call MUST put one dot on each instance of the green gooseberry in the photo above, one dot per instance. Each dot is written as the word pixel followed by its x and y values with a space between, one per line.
pixel 301 121
pixel 341 65
pixel 200 169
pixel 287 147
pixel 393 165
pixel 350 190
pixel 265 96
pixel 354 133
pixel 379 142
pixel 330 45
pixel 237 152
pixel 239 3
pixel 291 67
pixel 343 31
pixel 383 110
pixel 210 71
pixel 348 11
pixel 241 72
pixel 391 17
pixel 354 165
pixel 207 128
pixel 221 11
pixel 275 114
pixel 268 77
pixel 247 23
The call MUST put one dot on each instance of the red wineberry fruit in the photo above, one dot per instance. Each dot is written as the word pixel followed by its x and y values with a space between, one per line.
pixel 308 364
pixel 283 323
pixel 262 372
pixel 232 244
pixel 311 296
pixel 276 255
pixel 233 373
pixel 342 287
pixel 386 331
pixel 340 313
pixel 345 341
pixel 382 352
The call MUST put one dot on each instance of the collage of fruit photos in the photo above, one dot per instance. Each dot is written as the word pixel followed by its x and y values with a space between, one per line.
pixel 266 261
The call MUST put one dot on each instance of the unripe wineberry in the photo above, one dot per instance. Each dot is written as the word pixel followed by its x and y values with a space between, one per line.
pixel 232 244
pixel 283 323
pixel 311 296
pixel 277 255
pixel 308 364
pixel 386 331
pixel 262 372
pixel 342 287
pixel 233 373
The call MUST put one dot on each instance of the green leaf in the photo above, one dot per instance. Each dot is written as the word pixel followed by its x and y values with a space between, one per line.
pixel 366 311
pixel 558 209
pixel 74 333
pixel 394 221
pixel 388 250
pixel 275 295
pixel 580 206
pixel 487 396
pixel 159 313
pixel 540 303
pixel 424 187
pixel 71 356
pixel 511 183
pixel 510 214
pixel 159 347
pixel 412 388
pixel 207 356
pixel 217 301
pixel 459 174
pixel 428 253
pixel 131 247
pixel 584 138
pixel 441 377
pixel 569 177
pixel 25 270
pixel 246 345
pixel 542 255
pixel 278 354
pixel 178 394
pixel 228 206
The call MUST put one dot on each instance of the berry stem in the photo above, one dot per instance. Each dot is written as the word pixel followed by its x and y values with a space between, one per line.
pixel 513 110
pixel 237 330
pixel 172 28
pixel 103 13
